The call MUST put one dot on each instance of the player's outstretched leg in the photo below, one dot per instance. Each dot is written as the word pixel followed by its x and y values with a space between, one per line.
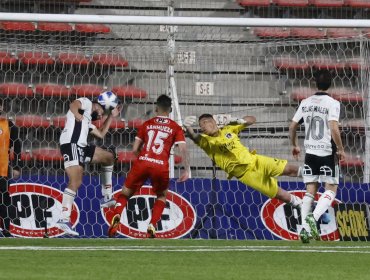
pixel 313 228
pixel 151 231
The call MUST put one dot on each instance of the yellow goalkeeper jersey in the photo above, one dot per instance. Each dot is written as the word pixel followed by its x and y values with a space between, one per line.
pixel 226 150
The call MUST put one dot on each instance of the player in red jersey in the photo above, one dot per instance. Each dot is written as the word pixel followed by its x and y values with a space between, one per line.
pixel 152 146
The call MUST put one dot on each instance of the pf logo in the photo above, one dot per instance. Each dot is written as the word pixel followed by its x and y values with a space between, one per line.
pixel 35 206
pixel 284 221
pixel 177 220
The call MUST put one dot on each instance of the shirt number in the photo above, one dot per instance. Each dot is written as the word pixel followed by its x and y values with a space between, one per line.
pixel 156 141
pixel 315 128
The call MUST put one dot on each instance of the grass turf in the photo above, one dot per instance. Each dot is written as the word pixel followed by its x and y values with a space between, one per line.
pixel 181 259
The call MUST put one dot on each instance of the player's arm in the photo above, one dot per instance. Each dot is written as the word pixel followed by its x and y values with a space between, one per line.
pixel 188 122
pixel 335 134
pixel 246 120
pixel 74 107
pixel 102 131
pixel 294 139
pixel 185 162
pixel 138 144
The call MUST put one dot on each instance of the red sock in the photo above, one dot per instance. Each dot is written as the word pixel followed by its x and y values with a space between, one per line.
pixel 118 209
pixel 157 211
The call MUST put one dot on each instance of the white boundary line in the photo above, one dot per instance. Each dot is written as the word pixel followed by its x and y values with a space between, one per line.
pixel 295 249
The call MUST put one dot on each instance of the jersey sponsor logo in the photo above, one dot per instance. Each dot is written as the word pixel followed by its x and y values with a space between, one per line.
pixel 37 207
pixel 284 221
pixel 177 220
pixel 228 135
pixel 162 120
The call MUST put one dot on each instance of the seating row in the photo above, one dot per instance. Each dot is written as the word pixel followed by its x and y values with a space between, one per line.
pixel 305 3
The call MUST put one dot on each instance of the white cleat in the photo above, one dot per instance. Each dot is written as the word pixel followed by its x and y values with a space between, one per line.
pixel 107 203
pixel 66 227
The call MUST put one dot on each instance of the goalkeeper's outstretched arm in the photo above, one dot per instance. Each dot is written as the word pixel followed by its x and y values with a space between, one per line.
pixel 246 120
pixel 188 122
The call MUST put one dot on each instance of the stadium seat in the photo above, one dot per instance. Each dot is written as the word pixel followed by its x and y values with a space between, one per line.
pixel 271 32
pixel 136 123
pixel 47 154
pixel 290 63
pixel 110 60
pixel 52 90
pixel 352 162
pixel 125 156
pixel 34 121
pixel 357 3
pixel 356 63
pixel 340 94
pixel 17 26
pixel 342 32
pixel 92 28
pixel 354 125
pixel 7 58
pixel 25 156
pixel 59 121
pixel 86 90
pixel 36 58
pixel 327 3
pixel 308 33
pixel 73 59
pixel 115 124
pixel 256 3
pixel 291 3
pixel 327 63
pixel 16 89
pixel 129 92
pixel 54 27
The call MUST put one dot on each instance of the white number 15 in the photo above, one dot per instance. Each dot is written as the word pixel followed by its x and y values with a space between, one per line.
pixel 157 145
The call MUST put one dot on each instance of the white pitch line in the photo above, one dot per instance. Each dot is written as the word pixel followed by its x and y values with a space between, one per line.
pixel 187 249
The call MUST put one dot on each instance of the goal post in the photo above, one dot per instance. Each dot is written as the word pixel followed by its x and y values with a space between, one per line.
pixel 222 66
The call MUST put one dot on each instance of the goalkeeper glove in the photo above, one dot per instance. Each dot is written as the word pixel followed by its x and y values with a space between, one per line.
pixel 233 120
pixel 190 120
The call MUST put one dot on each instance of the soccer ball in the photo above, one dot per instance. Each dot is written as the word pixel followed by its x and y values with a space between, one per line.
pixel 108 100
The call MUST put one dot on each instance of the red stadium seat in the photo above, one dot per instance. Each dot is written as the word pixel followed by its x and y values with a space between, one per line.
pixel 92 28
pixel 125 156
pixel 291 3
pixel 356 63
pixel 47 154
pixel 59 121
pixel 7 58
pixel 357 3
pixel 87 90
pixel 340 94
pixel 52 90
pixel 73 59
pixel 25 156
pixel 129 92
pixel 36 58
pixel 355 125
pixel 327 3
pixel 256 3
pixel 115 124
pixel 352 162
pixel 110 60
pixel 16 89
pixel 34 121
pixel 17 26
pixel 298 94
pixel 54 27
pixel 308 33
pixel 271 32
pixel 290 63
pixel 342 32
pixel 137 123
pixel 327 63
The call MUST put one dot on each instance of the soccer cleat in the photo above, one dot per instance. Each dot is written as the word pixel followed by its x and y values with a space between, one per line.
pixel 151 231
pixel 304 236
pixel 112 231
pixel 66 227
pixel 310 220
pixel 107 203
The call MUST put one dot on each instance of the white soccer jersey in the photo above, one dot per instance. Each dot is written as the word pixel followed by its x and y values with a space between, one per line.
pixel 75 131
pixel 316 111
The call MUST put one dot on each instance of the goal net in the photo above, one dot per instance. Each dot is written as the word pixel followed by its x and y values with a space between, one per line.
pixel 221 70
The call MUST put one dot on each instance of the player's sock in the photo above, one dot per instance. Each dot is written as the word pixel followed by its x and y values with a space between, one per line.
pixel 323 204
pixel 306 208
pixel 120 204
pixel 300 171
pixel 157 211
pixel 67 202
pixel 295 201
pixel 106 181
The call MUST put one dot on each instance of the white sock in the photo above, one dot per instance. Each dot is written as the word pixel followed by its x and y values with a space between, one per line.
pixel 106 181
pixel 67 202
pixel 295 201
pixel 307 203
pixel 300 172
pixel 323 204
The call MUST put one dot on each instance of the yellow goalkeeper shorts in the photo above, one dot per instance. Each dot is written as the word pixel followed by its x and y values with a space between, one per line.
pixel 261 174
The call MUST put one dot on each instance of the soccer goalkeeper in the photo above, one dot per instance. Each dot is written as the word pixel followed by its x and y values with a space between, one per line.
pixel 223 146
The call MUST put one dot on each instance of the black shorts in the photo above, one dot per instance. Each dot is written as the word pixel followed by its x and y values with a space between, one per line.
pixel 76 155
pixel 321 169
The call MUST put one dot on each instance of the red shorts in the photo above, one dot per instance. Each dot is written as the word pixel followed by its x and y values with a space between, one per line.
pixel 143 170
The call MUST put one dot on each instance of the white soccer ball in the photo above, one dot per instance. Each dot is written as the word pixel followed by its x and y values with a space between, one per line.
pixel 108 100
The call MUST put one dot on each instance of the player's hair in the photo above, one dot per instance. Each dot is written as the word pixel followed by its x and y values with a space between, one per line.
pixel 164 103
pixel 323 79
pixel 205 116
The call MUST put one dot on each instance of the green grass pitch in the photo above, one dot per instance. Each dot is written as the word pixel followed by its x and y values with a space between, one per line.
pixel 181 259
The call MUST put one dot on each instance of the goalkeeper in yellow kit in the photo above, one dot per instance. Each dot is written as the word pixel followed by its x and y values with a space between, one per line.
pixel 223 146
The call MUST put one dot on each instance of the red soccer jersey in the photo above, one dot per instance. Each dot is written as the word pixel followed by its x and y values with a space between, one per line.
pixel 159 134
